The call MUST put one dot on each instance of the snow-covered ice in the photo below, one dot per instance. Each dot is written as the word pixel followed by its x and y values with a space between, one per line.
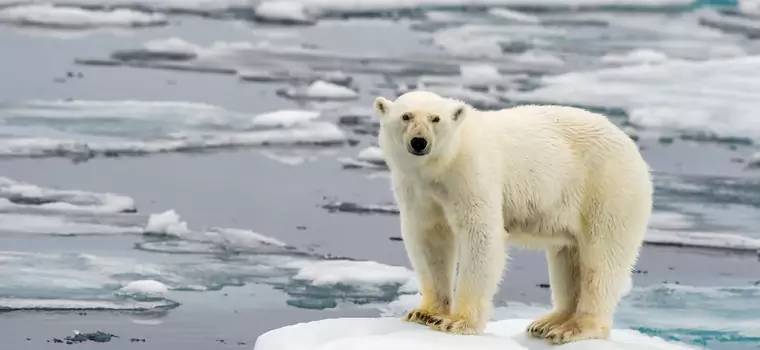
pixel 47 15
pixel 393 333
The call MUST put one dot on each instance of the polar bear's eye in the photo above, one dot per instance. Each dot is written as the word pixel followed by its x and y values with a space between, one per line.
pixel 405 117
pixel 436 119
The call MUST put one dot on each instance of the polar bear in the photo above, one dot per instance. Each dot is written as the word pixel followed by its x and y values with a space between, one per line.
pixel 469 181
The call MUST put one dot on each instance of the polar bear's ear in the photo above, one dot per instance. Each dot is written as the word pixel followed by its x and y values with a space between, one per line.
pixel 459 112
pixel 382 106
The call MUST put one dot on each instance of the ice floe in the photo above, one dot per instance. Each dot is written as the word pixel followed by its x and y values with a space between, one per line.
pixel 84 129
pixel 320 90
pixel 29 196
pixel 717 97
pixel 393 333
pixel 47 15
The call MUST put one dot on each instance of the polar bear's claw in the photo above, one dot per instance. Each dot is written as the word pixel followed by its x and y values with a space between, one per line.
pixel 578 328
pixel 451 325
pixel 547 323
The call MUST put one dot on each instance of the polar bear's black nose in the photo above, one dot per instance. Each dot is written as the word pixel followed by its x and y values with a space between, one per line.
pixel 418 144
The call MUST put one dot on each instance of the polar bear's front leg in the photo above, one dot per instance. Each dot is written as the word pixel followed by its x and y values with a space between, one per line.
pixel 430 246
pixel 479 234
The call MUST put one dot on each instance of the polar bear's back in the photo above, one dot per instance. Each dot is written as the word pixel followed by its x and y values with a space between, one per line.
pixel 559 155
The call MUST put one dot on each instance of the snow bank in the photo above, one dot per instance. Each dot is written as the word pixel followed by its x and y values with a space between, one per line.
pixel 393 333
pixel 77 18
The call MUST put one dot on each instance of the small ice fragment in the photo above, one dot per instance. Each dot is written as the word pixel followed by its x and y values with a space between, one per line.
pixel 476 71
pixel 288 12
pixel 145 288
pixel 754 161
pixel 321 90
pixel 639 56
pixel 351 273
pixel 514 15
pixel 166 223
pixel 284 118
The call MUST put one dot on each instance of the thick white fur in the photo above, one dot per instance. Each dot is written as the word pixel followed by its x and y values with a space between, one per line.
pixel 558 178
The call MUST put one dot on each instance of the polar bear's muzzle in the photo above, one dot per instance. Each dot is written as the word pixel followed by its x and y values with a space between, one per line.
pixel 418 146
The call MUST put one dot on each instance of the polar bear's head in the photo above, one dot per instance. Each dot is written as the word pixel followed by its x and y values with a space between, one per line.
pixel 419 121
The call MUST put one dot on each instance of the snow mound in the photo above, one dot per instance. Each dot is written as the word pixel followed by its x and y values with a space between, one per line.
pixel 393 333
pixel 145 289
pixel 47 15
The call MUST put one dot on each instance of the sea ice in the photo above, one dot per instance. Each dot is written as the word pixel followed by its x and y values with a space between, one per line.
pixel 393 333
pixel 720 102
pixel 47 15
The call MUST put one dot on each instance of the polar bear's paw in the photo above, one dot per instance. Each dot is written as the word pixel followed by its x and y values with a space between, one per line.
pixel 547 323
pixel 421 316
pixel 453 325
pixel 579 327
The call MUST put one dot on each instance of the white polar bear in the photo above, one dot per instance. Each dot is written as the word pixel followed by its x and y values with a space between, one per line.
pixel 559 178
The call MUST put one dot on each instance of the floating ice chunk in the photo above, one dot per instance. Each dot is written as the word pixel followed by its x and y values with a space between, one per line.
pixel 12 304
pixel 751 7
pixel 22 193
pixel 59 225
pixel 47 15
pixel 484 72
pixel 166 223
pixel 349 207
pixel 350 273
pixel 720 240
pixel 513 15
pixel 142 289
pixel 288 12
pixel 372 154
pixel 321 90
pixel 540 58
pixel 284 118
pixel 731 24
pixel 394 333
pixel 638 56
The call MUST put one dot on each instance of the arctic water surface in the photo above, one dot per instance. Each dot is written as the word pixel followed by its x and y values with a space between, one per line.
pixel 195 173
